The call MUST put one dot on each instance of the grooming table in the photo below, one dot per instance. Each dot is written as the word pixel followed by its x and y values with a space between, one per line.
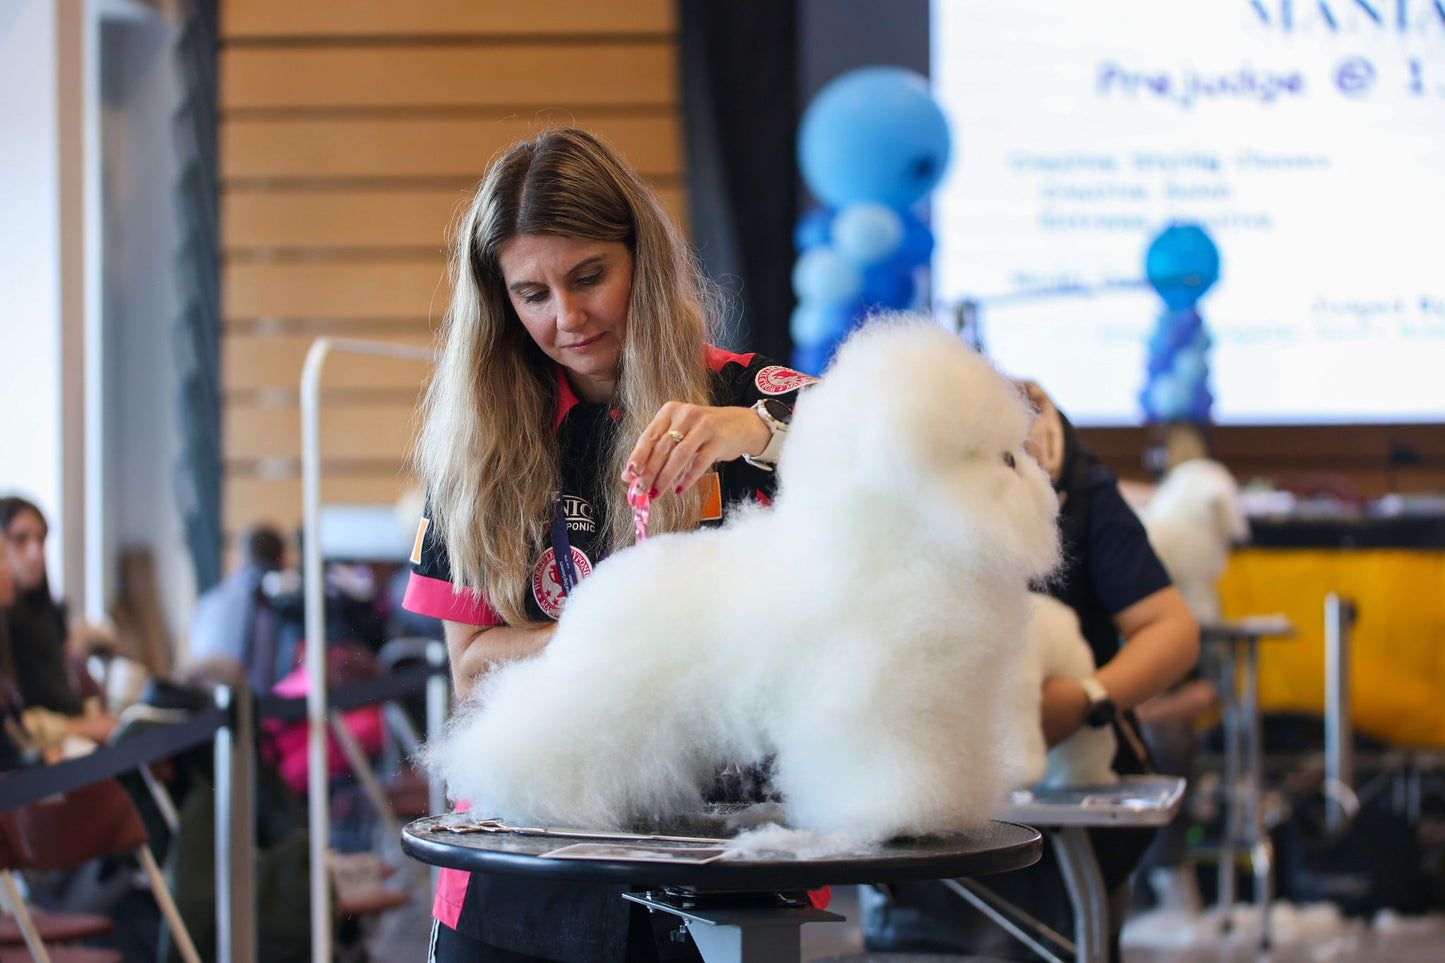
pixel 1238 645
pixel 738 911
pixel 1067 814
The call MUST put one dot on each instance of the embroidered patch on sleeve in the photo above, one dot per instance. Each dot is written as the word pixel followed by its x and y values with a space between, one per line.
pixel 777 380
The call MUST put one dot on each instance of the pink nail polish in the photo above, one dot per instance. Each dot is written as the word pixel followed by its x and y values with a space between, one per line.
pixel 654 493
pixel 677 490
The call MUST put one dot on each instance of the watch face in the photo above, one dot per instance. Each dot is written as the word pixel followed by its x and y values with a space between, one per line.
pixel 778 410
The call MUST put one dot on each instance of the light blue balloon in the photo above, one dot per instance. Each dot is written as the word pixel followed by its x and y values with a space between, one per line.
pixel 873 134
pixel 814 322
pixel 1190 367
pixel 867 232
pixel 821 275
pixel 1167 398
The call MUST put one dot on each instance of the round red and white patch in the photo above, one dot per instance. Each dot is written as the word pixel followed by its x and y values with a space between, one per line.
pixel 547 581
pixel 777 380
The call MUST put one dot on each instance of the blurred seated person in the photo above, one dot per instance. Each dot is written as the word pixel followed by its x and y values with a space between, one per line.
pixel 233 619
pixel 30 733
pixel 46 672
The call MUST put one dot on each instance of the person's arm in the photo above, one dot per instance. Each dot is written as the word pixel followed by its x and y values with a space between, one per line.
pixel 474 649
pixel 1161 643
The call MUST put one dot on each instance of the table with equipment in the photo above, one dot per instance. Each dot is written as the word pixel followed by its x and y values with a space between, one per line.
pixel 745 910
pixel 1067 814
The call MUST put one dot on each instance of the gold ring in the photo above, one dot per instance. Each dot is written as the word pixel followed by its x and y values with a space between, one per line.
pixel 675 435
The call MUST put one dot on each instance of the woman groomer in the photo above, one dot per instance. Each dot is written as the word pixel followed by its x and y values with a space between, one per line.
pixel 574 357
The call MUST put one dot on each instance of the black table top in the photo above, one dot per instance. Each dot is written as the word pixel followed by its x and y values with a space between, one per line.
pixel 996 847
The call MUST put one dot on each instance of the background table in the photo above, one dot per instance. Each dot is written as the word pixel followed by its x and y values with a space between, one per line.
pixel 1237 643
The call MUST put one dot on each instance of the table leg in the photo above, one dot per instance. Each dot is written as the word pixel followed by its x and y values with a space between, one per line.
pixel 739 929
pixel 1261 854
pixel 1080 869
pixel 1232 740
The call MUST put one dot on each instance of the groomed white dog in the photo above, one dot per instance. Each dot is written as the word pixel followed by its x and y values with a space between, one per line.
pixel 861 630
pixel 1055 648
pixel 1193 518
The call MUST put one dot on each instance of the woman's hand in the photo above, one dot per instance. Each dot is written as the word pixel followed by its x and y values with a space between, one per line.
pixel 683 441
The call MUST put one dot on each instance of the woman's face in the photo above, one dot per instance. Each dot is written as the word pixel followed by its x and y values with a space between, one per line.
pixel 572 296
pixel 25 549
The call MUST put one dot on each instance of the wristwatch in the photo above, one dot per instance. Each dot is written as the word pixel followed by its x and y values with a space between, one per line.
pixel 776 416
pixel 1101 708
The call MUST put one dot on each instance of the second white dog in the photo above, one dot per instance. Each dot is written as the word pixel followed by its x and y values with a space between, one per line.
pixel 1055 648
pixel 861 630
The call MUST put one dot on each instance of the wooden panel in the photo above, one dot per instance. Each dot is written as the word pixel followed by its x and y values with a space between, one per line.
pixel 477 75
pixel 356 220
pixel 252 19
pixel 435 147
pixel 274 361
pixel 248 500
pixel 355 432
pixel 348 219
pixel 379 291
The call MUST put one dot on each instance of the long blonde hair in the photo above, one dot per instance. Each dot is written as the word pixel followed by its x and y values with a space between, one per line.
pixel 486 450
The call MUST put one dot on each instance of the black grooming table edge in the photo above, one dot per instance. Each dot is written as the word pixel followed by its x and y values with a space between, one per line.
pixel 996 847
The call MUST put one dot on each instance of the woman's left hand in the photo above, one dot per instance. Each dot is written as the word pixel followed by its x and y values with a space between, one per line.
pixel 683 441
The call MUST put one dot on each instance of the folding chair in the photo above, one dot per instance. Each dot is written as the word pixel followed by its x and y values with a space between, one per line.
pixel 66 831
pixel 52 929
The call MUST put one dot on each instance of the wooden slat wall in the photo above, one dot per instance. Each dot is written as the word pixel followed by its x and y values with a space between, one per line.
pixel 351 133
pixel 1374 459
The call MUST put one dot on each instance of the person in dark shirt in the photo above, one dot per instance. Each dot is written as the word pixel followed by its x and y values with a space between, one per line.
pixel 44 673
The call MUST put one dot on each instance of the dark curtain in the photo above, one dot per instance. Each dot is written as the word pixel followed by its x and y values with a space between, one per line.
pixel 197 331
pixel 739 83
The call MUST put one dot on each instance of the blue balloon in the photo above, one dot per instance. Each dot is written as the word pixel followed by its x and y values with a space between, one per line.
pixel 814 321
pixel 917 246
pixel 1182 263
pixel 873 134
pixel 1190 367
pixel 888 285
pixel 813 358
pixel 821 275
pixel 813 230
pixel 867 232
pixel 1166 399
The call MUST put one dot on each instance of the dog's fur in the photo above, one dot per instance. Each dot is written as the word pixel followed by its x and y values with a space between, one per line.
pixel 1055 649
pixel 861 630
pixel 1192 519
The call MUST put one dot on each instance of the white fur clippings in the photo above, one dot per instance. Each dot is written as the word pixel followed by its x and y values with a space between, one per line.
pixel 861 630
pixel 1055 649
pixel 1192 519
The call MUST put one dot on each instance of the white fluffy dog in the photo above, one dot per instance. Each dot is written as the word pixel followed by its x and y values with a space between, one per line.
pixel 1192 519
pixel 1055 649
pixel 860 631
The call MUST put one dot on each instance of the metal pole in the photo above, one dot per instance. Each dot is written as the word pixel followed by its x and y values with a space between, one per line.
pixel 437 697
pixel 235 781
pixel 318 793
pixel 1233 740
pixel 1339 736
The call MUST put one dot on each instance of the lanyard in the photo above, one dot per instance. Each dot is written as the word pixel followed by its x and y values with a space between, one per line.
pixel 562 548
pixel 562 544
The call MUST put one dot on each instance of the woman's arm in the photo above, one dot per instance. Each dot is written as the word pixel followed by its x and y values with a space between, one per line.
pixel 474 649
pixel 1161 643
pixel 709 435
